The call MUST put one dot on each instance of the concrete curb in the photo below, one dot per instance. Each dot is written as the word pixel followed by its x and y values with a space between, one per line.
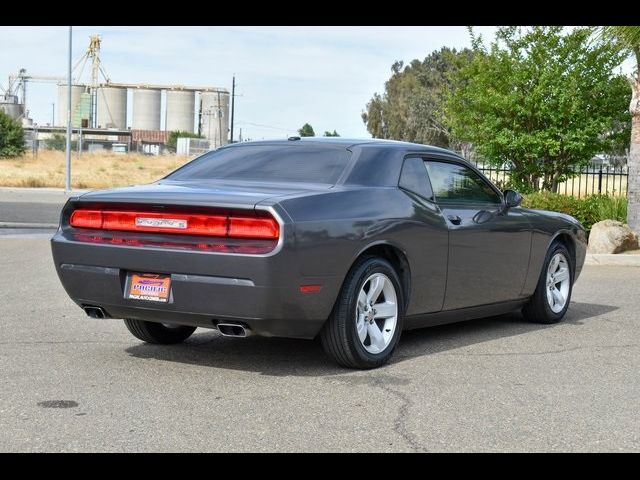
pixel 619 259
pixel 28 225
pixel 37 195
pixel 76 191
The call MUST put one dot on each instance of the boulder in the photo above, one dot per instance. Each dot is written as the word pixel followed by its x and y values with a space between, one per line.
pixel 611 236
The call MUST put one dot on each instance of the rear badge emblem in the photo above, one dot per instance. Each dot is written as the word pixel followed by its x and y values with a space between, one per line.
pixel 161 222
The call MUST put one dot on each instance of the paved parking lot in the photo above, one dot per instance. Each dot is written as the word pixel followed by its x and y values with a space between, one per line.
pixel 497 384
pixel 19 206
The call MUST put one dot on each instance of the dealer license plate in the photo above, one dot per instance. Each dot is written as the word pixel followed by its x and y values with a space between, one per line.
pixel 153 287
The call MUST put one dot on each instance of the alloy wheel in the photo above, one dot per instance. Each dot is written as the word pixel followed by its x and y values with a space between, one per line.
pixel 376 313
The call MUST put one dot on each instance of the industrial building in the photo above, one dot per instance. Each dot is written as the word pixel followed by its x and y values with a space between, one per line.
pixel 101 106
pixel 105 107
pixel 10 104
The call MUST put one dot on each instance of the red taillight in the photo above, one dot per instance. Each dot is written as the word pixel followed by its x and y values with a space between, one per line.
pixel 188 224
pixel 86 219
pixel 181 223
pixel 246 227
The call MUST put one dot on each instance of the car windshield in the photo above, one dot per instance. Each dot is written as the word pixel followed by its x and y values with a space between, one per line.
pixel 268 163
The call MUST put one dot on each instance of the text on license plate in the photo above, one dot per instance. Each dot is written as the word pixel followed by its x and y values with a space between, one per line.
pixel 149 286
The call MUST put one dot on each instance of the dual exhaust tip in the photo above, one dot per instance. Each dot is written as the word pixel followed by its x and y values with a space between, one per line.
pixel 226 329
pixel 233 330
pixel 95 312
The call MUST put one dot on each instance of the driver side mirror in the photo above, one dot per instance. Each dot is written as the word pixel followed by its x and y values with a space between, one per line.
pixel 512 198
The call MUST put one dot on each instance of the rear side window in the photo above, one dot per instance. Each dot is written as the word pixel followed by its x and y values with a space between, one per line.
pixel 454 183
pixel 414 178
pixel 268 163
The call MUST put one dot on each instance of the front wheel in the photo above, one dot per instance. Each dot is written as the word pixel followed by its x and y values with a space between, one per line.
pixel 550 301
pixel 158 333
pixel 365 325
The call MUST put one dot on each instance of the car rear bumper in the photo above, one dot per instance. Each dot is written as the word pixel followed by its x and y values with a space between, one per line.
pixel 261 292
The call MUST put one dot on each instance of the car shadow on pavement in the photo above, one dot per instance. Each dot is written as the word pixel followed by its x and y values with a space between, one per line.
pixel 442 338
pixel 291 357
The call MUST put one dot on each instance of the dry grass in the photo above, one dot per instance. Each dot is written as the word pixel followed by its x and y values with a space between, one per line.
pixel 90 170
pixel 579 186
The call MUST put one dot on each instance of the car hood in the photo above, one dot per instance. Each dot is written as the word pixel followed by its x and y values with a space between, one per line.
pixel 548 214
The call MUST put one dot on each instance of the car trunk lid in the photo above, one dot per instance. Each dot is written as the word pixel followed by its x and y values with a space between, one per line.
pixel 200 193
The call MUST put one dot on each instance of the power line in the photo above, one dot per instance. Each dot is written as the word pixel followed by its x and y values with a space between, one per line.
pixel 268 126
pixel 233 104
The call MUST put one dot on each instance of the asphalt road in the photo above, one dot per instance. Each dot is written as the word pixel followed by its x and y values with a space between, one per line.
pixel 31 206
pixel 497 384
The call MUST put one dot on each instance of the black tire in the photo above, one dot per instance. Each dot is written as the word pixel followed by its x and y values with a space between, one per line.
pixel 339 335
pixel 157 333
pixel 538 309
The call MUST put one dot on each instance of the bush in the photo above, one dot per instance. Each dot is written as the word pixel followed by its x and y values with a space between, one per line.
pixel 11 137
pixel 614 208
pixel 172 141
pixel 587 211
pixel 57 141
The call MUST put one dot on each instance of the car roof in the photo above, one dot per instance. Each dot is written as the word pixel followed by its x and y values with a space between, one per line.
pixel 345 143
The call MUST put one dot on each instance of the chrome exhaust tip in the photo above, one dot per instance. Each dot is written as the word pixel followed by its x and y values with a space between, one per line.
pixel 233 330
pixel 95 312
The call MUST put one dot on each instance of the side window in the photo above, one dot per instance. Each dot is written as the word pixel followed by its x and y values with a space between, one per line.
pixel 414 178
pixel 455 183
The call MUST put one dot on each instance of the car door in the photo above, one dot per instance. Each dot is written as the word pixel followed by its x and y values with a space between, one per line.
pixel 489 245
pixel 426 239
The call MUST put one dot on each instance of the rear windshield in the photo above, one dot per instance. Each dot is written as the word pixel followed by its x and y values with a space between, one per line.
pixel 269 163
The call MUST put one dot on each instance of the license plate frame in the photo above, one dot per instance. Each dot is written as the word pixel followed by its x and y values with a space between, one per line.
pixel 148 287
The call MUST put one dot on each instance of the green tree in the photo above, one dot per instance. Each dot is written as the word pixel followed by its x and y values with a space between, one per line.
pixel 172 141
pixel 11 137
pixel 541 100
pixel 306 131
pixel 327 133
pixel 58 141
pixel 628 38
pixel 412 106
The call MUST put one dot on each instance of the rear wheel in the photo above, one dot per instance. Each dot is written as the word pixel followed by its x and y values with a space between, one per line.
pixel 550 301
pixel 158 333
pixel 365 325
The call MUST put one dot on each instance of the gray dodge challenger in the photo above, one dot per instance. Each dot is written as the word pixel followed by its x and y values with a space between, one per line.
pixel 351 241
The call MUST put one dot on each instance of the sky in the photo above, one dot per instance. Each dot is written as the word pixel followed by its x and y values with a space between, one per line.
pixel 285 76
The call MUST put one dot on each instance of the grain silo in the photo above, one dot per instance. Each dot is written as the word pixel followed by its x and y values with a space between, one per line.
pixel 214 117
pixel 82 114
pixel 111 107
pixel 181 106
pixel 146 109
pixel 10 105
pixel 76 96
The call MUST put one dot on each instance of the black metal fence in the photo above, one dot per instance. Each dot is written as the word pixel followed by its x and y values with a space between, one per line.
pixel 589 180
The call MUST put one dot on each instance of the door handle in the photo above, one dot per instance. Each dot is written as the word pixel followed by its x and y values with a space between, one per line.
pixel 455 219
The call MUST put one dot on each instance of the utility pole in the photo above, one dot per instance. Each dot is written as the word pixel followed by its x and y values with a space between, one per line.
pixel 210 115
pixel 53 114
pixel 67 186
pixel 34 140
pixel 219 121
pixel 24 94
pixel 233 104
pixel 79 142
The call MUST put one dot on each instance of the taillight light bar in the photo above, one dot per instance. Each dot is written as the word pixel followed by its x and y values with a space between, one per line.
pixel 230 226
